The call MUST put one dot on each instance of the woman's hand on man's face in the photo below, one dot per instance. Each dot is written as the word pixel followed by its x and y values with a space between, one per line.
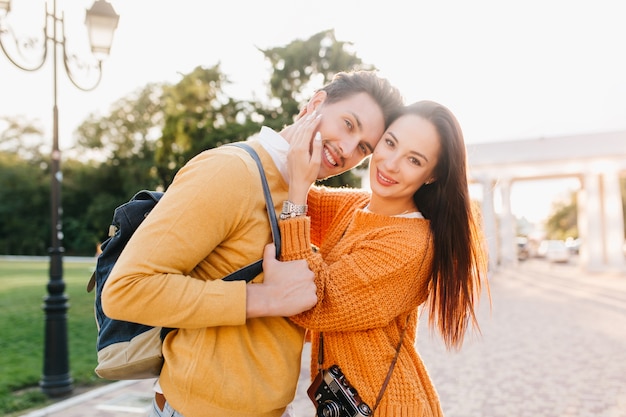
pixel 304 157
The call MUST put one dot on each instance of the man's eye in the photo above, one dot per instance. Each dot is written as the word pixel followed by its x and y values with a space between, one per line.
pixel 364 149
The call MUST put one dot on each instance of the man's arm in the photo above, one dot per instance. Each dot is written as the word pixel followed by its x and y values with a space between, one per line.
pixel 168 274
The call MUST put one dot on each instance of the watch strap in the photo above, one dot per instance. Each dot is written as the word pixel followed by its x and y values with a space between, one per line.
pixel 293 210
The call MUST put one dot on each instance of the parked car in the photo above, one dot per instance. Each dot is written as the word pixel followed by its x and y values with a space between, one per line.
pixel 573 245
pixel 553 250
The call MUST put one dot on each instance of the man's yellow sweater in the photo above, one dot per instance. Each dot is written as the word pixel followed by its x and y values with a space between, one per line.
pixel 372 271
pixel 211 221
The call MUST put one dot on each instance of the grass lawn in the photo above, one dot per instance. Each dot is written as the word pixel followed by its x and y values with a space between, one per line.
pixel 22 290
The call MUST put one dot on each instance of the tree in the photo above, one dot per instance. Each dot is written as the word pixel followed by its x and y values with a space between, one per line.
pixel 24 206
pixel 123 143
pixel 132 126
pixel 563 222
pixel 24 188
pixel 301 67
pixel 117 160
pixel 199 116
pixel 21 136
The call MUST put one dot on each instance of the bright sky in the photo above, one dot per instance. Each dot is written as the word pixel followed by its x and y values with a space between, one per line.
pixel 508 70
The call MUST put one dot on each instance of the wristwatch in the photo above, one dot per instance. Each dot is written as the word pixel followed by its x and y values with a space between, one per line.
pixel 292 210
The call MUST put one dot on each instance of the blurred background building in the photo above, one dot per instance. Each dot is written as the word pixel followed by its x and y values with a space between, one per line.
pixel 596 161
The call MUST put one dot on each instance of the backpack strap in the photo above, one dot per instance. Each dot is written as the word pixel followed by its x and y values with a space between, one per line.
pixel 250 271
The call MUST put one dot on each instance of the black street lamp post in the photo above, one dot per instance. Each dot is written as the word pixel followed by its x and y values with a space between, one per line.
pixel 101 21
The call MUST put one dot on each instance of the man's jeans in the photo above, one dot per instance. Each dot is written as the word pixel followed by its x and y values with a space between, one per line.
pixel 168 411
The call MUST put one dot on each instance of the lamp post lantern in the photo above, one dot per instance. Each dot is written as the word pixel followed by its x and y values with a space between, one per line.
pixel 101 21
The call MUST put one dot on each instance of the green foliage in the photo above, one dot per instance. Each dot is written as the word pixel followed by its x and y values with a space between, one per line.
pixel 199 116
pixel 22 288
pixel 563 222
pixel 129 131
pixel 90 195
pixel 347 179
pixel 301 67
pixel 24 207
pixel 21 136
pixel 125 143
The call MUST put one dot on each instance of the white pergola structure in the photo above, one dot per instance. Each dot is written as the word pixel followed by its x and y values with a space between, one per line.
pixel 597 160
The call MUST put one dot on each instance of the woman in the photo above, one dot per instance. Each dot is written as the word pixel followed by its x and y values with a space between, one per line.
pixel 412 241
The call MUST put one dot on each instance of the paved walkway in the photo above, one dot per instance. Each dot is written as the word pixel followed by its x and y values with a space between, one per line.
pixel 134 399
pixel 553 345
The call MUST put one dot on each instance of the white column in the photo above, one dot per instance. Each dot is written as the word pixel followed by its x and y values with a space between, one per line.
pixel 490 225
pixel 613 219
pixel 590 223
pixel 583 226
pixel 507 225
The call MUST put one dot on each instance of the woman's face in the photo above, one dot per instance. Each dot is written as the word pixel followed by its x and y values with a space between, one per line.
pixel 405 158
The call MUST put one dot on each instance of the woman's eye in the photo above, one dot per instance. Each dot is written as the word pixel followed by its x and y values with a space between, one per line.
pixel 415 161
pixel 349 124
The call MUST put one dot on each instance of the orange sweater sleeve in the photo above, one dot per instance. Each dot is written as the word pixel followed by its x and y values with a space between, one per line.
pixel 325 203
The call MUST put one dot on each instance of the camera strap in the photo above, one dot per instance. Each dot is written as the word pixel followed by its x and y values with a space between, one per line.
pixel 393 365
pixel 320 356
pixel 320 361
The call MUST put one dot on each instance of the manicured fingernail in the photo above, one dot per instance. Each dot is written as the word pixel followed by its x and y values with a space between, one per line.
pixel 318 136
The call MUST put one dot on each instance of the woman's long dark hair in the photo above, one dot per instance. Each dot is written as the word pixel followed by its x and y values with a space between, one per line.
pixel 459 264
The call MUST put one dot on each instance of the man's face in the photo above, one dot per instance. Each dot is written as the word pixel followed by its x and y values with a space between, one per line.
pixel 350 130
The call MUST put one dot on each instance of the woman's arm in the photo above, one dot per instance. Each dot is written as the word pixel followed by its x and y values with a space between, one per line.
pixel 374 276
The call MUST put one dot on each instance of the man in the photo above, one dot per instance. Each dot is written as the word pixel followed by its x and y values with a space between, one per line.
pixel 234 353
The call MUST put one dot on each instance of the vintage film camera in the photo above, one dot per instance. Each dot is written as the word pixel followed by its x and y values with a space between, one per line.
pixel 333 395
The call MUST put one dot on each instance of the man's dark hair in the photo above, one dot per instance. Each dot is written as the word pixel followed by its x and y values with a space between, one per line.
pixel 347 84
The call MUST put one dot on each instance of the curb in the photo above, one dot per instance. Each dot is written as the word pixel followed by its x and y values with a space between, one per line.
pixel 78 399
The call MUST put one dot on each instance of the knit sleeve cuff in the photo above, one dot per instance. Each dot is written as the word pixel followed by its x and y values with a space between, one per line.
pixel 296 238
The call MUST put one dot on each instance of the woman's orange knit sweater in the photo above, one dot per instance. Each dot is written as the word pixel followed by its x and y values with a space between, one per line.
pixel 372 271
